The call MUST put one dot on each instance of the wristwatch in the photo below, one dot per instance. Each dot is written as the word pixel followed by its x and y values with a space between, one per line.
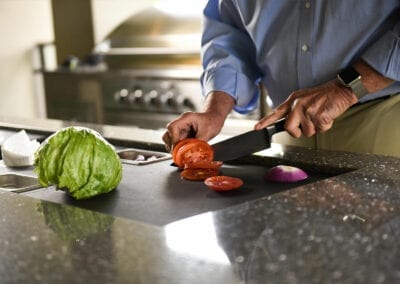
pixel 350 78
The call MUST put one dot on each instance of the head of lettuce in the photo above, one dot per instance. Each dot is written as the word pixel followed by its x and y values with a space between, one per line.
pixel 80 161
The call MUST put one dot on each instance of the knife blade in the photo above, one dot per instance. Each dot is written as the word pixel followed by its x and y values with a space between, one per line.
pixel 246 143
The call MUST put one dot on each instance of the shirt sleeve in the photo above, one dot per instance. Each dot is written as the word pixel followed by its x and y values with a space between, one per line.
pixel 384 54
pixel 229 56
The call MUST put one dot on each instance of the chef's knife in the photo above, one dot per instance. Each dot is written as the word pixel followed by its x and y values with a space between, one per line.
pixel 246 143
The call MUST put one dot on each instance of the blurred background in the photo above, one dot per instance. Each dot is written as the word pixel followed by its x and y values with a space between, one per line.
pixel 121 62
pixel 26 23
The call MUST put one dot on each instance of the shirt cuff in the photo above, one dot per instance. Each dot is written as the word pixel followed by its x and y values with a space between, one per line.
pixel 237 85
pixel 384 56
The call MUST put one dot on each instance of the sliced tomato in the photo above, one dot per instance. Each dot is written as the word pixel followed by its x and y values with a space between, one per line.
pixel 204 165
pixel 180 144
pixel 193 152
pixel 198 174
pixel 223 183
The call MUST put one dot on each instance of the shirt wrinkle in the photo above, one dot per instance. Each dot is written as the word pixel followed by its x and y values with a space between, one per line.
pixel 291 44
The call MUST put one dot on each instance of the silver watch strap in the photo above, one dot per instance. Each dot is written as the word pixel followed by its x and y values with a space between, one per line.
pixel 358 88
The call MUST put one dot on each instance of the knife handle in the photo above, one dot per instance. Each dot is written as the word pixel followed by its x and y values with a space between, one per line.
pixel 278 126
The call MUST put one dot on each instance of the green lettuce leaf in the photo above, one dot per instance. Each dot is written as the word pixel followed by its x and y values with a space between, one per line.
pixel 79 161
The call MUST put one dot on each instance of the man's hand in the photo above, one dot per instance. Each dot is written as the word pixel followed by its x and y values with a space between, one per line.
pixel 202 125
pixel 312 111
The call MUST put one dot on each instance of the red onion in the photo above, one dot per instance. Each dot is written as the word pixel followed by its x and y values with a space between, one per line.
pixel 284 173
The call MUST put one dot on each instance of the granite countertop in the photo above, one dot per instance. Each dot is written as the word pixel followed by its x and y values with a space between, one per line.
pixel 343 229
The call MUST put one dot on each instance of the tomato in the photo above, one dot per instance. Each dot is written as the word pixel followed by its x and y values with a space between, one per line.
pixel 223 183
pixel 204 165
pixel 180 144
pixel 198 174
pixel 192 151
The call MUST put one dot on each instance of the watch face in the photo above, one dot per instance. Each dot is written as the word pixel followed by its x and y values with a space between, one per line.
pixel 349 75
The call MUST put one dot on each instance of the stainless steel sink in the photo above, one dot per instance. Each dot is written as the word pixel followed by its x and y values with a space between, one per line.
pixel 141 157
pixel 18 182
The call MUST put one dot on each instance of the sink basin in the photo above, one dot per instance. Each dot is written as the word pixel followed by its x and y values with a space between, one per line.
pixel 141 157
pixel 18 182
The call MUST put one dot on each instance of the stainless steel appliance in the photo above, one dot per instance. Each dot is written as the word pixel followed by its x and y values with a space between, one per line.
pixel 144 74
pixel 143 98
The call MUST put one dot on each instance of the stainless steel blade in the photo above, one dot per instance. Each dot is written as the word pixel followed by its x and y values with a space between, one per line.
pixel 247 143
pixel 241 145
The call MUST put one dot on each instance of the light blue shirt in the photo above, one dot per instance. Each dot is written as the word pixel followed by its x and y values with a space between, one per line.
pixel 295 44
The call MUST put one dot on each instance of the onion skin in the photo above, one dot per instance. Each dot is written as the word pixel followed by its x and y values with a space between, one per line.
pixel 284 173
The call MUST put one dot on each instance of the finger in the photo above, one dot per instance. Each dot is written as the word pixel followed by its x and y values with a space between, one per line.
pixel 293 124
pixel 167 141
pixel 177 133
pixel 180 128
pixel 280 112
pixel 307 127
pixel 323 122
pixel 307 123
pixel 304 112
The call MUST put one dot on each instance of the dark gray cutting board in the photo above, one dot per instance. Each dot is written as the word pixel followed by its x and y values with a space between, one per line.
pixel 156 194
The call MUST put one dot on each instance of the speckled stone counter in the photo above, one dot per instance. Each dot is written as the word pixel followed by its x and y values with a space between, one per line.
pixel 343 229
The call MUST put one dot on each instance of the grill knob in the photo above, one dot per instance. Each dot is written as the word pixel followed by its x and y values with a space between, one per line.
pixel 172 102
pixel 163 99
pixel 187 103
pixel 136 96
pixel 150 98
pixel 180 103
pixel 121 96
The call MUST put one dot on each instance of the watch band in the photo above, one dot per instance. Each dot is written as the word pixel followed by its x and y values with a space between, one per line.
pixel 358 88
pixel 350 78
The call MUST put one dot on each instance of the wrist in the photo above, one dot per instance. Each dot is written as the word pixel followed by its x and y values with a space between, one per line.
pixel 219 104
pixel 346 92
pixel 351 79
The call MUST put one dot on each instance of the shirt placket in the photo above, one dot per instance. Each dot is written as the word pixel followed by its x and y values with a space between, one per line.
pixel 304 44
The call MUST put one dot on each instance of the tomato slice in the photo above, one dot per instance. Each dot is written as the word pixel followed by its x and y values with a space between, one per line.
pixel 198 174
pixel 204 165
pixel 193 152
pixel 180 144
pixel 223 183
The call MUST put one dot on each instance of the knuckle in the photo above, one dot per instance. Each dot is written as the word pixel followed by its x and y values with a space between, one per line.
pixel 296 94
pixel 309 111
pixel 301 103
pixel 325 119
pixel 323 123
pixel 187 115
pixel 308 129
pixel 170 126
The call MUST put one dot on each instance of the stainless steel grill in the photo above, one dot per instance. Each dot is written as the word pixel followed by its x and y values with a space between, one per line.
pixel 145 73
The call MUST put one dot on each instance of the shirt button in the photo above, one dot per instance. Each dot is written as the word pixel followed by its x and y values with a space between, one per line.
pixel 304 47
pixel 307 5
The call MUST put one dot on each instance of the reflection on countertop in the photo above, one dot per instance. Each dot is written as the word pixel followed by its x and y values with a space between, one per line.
pixel 343 229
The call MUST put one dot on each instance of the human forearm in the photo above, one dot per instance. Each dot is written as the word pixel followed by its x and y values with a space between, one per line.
pixel 219 103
